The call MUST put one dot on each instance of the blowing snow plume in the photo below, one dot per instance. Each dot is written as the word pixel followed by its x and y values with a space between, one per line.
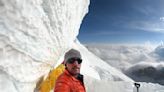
pixel 159 51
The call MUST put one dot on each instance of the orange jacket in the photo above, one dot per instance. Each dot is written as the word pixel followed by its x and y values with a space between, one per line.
pixel 68 83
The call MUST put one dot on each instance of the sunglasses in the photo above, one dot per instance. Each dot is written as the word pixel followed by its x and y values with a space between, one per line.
pixel 72 60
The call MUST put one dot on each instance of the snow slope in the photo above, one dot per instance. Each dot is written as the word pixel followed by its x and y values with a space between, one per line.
pixel 94 66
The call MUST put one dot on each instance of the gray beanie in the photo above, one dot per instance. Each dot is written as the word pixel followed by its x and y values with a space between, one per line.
pixel 71 54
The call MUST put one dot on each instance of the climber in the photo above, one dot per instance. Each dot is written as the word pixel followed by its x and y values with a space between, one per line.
pixel 71 80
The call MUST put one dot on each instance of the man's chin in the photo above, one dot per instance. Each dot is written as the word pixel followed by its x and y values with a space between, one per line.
pixel 76 73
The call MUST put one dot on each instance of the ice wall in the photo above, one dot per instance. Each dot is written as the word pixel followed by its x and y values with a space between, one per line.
pixel 33 36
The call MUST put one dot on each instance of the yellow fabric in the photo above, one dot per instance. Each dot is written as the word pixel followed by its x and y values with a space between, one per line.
pixel 49 83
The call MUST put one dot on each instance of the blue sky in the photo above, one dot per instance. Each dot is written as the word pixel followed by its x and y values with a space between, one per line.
pixel 123 21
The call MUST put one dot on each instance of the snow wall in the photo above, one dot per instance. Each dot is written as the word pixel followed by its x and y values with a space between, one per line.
pixel 34 34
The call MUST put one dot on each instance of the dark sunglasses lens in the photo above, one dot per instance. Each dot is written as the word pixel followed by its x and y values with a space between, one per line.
pixel 79 61
pixel 72 60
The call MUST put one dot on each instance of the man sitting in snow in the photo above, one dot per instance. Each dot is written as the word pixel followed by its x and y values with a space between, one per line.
pixel 71 80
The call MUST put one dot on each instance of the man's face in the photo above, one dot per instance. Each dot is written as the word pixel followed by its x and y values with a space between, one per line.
pixel 73 65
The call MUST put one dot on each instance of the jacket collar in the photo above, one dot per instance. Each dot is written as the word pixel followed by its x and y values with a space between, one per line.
pixel 72 77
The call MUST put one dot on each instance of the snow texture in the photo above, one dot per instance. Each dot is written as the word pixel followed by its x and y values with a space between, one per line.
pixel 34 34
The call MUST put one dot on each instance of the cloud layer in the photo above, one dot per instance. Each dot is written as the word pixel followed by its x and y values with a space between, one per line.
pixel 141 63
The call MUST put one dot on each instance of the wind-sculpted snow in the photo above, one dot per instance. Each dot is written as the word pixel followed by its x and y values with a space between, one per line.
pixel 34 34
pixel 6 80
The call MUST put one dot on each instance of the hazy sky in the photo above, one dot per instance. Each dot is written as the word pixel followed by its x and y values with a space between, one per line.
pixel 123 21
